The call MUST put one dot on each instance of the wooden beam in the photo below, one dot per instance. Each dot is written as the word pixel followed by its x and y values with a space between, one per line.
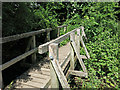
pixel 48 36
pixel 25 35
pixel 62 26
pixel 15 60
pixel 88 56
pixel 72 38
pixel 78 56
pixel 78 40
pixel 58 32
pixel 83 32
pixel 1 78
pixel 60 74
pixel 33 45
pixel 53 50
pixel 44 47
pixel 78 73
pixel 64 61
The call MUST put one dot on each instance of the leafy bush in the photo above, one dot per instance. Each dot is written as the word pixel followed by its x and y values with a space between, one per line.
pixel 101 28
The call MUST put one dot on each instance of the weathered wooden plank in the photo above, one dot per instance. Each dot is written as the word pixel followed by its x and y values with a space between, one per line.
pixel 32 84
pixel 1 78
pixel 33 45
pixel 78 73
pixel 44 47
pixel 65 28
pixel 64 61
pixel 72 38
pixel 15 60
pixel 53 50
pixel 78 56
pixel 58 32
pixel 83 32
pixel 25 35
pixel 88 56
pixel 48 36
pixel 78 40
pixel 62 26
pixel 60 74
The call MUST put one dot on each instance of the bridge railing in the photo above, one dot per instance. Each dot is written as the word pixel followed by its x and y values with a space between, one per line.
pixel 58 73
pixel 32 43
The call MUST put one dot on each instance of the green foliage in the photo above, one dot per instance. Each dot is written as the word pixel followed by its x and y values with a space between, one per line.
pixel 101 28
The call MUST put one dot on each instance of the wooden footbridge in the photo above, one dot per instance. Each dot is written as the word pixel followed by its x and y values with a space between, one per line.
pixel 54 71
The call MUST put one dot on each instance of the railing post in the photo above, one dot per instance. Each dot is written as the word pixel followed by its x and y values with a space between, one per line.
pixel 1 78
pixel 58 34
pixel 65 28
pixel 53 54
pixel 48 35
pixel 78 40
pixel 33 45
pixel 72 38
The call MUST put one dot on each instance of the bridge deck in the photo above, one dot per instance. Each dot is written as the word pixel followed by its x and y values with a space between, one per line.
pixel 39 75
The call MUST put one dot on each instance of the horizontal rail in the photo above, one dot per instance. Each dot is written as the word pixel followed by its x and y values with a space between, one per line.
pixel 15 60
pixel 44 47
pixel 62 26
pixel 25 35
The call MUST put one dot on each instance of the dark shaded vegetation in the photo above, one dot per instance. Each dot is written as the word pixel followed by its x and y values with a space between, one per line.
pixel 101 22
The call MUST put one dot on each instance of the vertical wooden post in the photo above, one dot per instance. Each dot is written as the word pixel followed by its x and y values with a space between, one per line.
pixel 58 34
pixel 33 45
pixel 72 38
pixel 78 40
pixel 1 78
pixel 48 36
pixel 53 54
pixel 65 28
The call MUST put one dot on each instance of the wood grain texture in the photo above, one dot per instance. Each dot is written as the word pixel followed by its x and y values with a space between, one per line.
pixel 44 47
pixel 78 73
pixel 78 56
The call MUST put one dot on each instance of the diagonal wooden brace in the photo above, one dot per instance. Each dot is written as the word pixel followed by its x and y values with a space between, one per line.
pixel 73 44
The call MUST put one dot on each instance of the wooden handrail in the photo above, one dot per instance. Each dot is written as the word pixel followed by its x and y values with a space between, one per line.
pixel 25 35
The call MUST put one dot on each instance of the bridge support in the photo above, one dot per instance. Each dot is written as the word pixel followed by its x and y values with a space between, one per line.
pixel 56 72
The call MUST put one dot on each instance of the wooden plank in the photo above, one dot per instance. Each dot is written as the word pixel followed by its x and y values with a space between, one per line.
pixel 60 74
pixel 78 40
pixel 53 50
pixel 15 60
pixel 62 26
pixel 44 47
pixel 64 61
pixel 65 28
pixel 72 38
pixel 1 78
pixel 78 73
pixel 83 32
pixel 58 33
pixel 32 84
pixel 48 36
pixel 25 35
pixel 33 45
pixel 88 56
pixel 78 56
